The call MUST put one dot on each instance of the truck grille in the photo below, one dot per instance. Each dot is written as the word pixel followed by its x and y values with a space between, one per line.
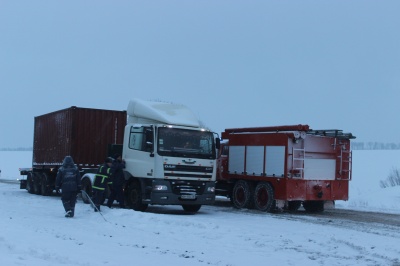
pixel 184 187
pixel 186 171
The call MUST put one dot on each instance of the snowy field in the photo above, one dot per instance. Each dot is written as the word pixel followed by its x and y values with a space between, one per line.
pixel 34 230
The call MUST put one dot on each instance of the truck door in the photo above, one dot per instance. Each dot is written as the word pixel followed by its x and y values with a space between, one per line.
pixel 139 151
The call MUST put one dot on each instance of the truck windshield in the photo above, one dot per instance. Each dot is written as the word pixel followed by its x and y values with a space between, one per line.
pixel 176 142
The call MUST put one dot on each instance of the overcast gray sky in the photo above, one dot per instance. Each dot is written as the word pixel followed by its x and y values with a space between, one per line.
pixel 329 64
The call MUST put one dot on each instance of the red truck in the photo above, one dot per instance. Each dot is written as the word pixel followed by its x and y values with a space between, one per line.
pixel 284 167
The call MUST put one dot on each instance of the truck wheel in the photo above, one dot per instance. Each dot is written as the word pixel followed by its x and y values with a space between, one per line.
pixel 29 183
pixel 264 197
pixel 314 206
pixel 133 197
pixel 191 208
pixel 242 194
pixel 44 185
pixel 37 188
pixel 87 187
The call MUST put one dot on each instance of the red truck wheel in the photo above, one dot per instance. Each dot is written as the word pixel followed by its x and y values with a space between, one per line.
pixel 242 194
pixel 264 197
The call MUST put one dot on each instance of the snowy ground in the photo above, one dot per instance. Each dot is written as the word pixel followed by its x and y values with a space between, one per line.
pixel 34 230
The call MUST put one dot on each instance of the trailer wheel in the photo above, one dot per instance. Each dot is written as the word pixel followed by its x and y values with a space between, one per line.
pixel 191 208
pixel 87 187
pixel 242 194
pixel 29 183
pixel 133 197
pixel 37 187
pixel 314 206
pixel 44 185
pixel 264 197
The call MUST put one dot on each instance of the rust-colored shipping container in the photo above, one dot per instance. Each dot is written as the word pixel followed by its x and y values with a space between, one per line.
pixel 83 133
pixel 88 135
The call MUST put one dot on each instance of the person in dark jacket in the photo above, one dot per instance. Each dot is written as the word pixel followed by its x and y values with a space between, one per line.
pixel 118 179
pixel 69 180
pixel 101 180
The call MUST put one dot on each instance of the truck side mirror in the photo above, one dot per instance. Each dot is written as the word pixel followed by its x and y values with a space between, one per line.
pixel 217 143
pixel 149 146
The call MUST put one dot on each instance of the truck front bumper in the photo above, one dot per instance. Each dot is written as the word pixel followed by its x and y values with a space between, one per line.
pixel 182 192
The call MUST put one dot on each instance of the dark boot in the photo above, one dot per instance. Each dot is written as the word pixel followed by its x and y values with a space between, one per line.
pixel 66 205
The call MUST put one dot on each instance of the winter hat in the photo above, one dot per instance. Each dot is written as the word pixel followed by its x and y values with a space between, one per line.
pixel 68 161
pixel 116 156
pixel 108 160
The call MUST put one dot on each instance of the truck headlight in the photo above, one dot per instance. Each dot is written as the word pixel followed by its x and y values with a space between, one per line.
pixel 211 189
pixel 160 187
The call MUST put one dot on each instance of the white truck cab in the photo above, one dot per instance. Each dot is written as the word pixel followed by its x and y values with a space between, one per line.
pixel 170 159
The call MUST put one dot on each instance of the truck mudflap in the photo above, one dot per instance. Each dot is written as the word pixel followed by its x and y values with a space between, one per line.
pixel 183 192
pixel 22 184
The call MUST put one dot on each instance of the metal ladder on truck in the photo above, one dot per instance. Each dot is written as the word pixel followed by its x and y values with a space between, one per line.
pixel 345 158
pixel 298 157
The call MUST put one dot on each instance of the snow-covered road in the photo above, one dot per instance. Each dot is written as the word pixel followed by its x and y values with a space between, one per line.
pixel 35 232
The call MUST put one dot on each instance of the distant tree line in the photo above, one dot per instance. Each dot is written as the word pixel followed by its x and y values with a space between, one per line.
pixel 374 146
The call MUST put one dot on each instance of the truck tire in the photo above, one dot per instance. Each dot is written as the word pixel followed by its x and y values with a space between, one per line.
pixel 133 197
pixel 29 183
pixel 313 206
pixel 45 185
pixel 87 187
pixel 37 187
pixel 242 194
pixel 191 208
pixel 264 197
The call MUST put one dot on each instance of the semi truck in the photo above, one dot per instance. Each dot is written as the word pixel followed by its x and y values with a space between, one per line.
pixel 284 167
pixel 170 158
